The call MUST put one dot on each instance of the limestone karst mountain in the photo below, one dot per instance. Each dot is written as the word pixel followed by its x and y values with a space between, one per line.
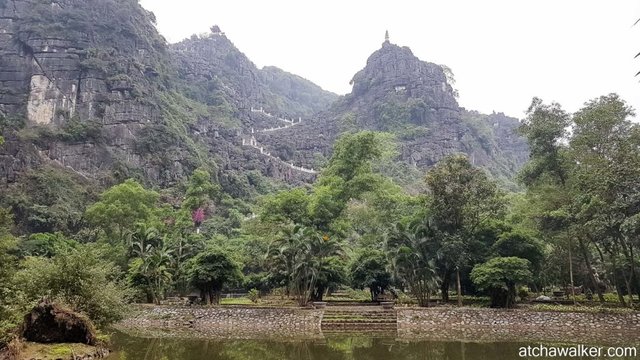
pixel 213 66
pixel 398 93
pixel 89 88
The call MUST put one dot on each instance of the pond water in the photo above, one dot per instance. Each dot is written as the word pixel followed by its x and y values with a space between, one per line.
pixel 343 346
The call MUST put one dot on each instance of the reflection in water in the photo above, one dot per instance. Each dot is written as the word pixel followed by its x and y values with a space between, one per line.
pixel 333 347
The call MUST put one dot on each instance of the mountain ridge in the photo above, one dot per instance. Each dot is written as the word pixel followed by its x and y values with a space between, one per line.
pixel 92 87
pixel 396 92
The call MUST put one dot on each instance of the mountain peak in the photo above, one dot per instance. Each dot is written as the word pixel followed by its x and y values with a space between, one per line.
pixel 395 71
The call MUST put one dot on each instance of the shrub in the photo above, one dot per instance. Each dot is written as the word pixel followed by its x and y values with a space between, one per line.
pixel 523 293
pixel 79 278
pixel 254 295
pixel 499 276
pixel 210 271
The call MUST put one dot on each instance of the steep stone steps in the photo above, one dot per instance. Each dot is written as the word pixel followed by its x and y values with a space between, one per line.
pixel 365 318
pixel 343 303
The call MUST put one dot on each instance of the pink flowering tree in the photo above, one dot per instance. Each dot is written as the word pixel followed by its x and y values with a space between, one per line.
pixel 198 217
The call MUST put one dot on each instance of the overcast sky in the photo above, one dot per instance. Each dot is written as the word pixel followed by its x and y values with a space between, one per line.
pixel 502 52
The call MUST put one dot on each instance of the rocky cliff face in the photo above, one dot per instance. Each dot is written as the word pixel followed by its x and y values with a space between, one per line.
pixel 91 87
pixel 216 68
pixel 81 77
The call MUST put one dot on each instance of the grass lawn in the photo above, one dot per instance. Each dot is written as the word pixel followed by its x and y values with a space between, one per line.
pixel 236 301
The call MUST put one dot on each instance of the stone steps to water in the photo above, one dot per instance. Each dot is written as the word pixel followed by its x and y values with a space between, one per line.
pixel 350 303
pixel 359 316
pixel 360 327
pixel 362 318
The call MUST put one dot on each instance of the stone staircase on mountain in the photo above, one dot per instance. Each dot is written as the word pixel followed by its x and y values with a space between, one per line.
pixel 359 318
pixel 252 142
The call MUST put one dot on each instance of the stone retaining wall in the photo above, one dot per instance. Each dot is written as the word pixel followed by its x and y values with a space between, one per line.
pixel 517 325
pixel 440 323
pixel 225 322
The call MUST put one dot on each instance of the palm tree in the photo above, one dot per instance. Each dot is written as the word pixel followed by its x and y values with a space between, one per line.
pixel 156 268
pixel 143 240
pixel 304 259
pixel 413 261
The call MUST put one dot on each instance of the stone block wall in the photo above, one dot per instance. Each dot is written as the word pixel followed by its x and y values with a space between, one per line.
pixel 517 325
pixel 227 322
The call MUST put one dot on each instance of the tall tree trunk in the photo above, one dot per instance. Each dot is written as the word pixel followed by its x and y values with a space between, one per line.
pixel 317 293
pixel 634 273
pixel 614 263
pixel 444 285
pixel 153 292
pixel 627 281
pixel 592 277
pixel 459 285
pixel 573 290
pixel 628 253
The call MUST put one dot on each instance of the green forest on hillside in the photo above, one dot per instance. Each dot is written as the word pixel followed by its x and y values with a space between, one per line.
pixel 576 223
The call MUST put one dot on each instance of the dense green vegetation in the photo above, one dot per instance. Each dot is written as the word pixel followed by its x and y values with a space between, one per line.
pixel 576 224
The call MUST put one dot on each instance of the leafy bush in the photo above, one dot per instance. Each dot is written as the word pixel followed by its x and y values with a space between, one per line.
pixel 79 278
pixel 75 130
pixel 254 295
pixel 369 269
pixel 8 264
pixel 523 293
pixel 499 276
pixel 212 270
pixel 46 245
pixel 48 200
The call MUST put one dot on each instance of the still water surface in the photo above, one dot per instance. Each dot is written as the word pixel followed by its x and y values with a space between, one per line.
pixel 332 347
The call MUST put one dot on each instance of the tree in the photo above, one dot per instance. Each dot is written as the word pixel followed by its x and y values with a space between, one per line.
pixel 197 203
pixel 289 206
pixel 545 128
pixel 183 248
pixel 604 146
pixel 499 276
pixel 331 274
pixel 144 240
pixel 412 254
pixel 79 278
pixel 451 79
pixel 369 269
pixel 584 185
pixel 122 207
pixel 306 261
pixel 45 244
pixel 520 244
pixel 212 270
pixel 348 175
pixel 152 266
pixel 353 154
pixel 200 190
pixel 8 266
pixel 49 200
pixel 462 199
